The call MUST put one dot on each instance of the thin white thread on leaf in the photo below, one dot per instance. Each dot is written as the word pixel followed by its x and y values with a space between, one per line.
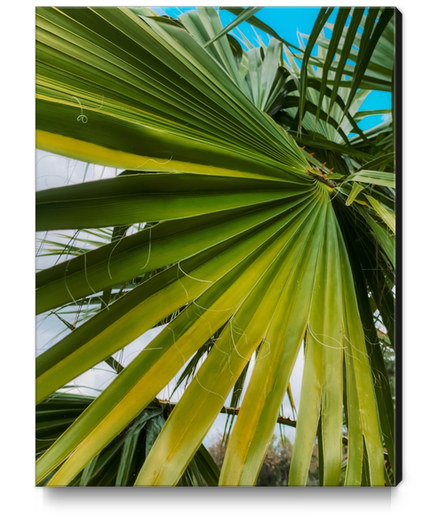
pixel 227 354
pixel 376 378
pixel 88 282
pixel 175 343
pixel 369 341
pixel 85 273
pixel 101 105
pixel 67 287
pixel 112 251
pixel 326 336
pixel 243 334
pixel 184 288
pixel 194 278
pixel 82 117
pixel 201 316
pixel 206 389
pixel 149 250
pixel 356 349
pixel 154 161
pixel 264 340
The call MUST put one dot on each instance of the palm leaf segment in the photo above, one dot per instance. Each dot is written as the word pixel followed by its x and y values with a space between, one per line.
pixel 248 236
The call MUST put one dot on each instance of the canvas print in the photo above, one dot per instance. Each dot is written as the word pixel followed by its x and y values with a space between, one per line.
pixel 216 191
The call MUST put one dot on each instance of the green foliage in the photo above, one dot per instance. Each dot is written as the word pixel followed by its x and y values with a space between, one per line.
pixel 119 463
pixel 246 221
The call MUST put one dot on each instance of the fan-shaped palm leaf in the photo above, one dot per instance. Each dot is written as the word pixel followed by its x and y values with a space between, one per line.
pixel 249 237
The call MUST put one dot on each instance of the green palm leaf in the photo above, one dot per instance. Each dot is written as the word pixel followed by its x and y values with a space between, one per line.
pixel 253 198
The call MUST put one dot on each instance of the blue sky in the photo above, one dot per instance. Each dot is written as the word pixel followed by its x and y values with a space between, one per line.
pixel 288 22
